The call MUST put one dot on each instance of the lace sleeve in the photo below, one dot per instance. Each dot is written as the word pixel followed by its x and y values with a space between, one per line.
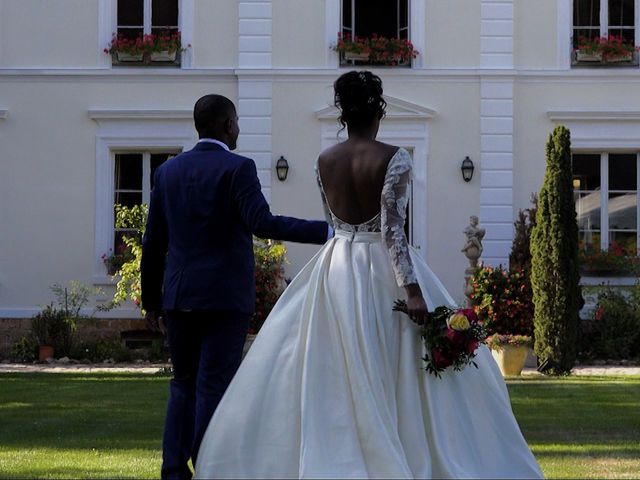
pixel 395 196
pixel 325 206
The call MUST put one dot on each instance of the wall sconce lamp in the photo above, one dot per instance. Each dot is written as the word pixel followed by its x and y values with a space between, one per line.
pixel 467 169
pixel 282 168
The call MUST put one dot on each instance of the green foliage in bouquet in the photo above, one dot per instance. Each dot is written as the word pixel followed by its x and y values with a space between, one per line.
pixel 554 263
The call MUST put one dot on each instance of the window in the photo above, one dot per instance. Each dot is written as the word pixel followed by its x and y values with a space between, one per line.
pixel 606 193
pixel 138 17
pixel 603 18
pixel 386 18
pixel 133 176
pixel 375 32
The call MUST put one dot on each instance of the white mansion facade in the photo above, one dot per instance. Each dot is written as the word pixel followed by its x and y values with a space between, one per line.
pixel 81 130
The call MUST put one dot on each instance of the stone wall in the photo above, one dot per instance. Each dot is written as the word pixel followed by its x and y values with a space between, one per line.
pixel 11 329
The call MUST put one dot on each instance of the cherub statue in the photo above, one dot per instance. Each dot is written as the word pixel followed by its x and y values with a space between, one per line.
pixel 473 247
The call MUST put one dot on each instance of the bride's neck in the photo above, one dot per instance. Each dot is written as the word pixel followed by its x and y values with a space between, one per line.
pixel 362 132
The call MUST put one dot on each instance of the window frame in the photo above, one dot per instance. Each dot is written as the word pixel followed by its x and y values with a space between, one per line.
pixel 605 191
pixel 108 26
pixel 604 31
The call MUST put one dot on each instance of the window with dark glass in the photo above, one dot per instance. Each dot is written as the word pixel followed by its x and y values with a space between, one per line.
pixel 601 18
pixel 138 17
pixel 385 18
pixel 606 193
pixel 133 181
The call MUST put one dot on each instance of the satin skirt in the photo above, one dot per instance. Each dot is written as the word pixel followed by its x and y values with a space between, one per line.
pixel 333 387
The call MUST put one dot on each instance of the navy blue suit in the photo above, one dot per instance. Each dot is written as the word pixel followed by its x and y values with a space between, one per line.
pixel 198 266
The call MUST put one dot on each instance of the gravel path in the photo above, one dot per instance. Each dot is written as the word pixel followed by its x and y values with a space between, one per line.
pixel 601 370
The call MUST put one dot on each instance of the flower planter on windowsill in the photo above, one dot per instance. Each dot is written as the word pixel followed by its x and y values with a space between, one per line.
pixel 126 57
pixel 164 56
pixel 627 57
pixel 597 60
pixel 588 57
pixel 353 56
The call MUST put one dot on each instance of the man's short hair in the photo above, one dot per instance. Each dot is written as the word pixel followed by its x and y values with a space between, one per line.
pixel 211 111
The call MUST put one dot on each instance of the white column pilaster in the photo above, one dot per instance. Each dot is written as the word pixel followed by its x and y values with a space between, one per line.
pixel 255 93
pixel 496 131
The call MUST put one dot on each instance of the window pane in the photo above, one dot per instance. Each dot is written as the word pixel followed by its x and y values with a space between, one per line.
pixel 588 210
pixel 163 30
pixel 625 241
pixel 346 14
pixel 628 34
pixel 623 208
pixel 586 171
pixel 403 16
pixel 621 13
pixel 376 16
pixel 164 13
pixel 158 159
pixel 622 171
pixel 130 33
pixel 586 13
pixel 589 240
pixel 130 12
pixel 128 199
pixel 128 173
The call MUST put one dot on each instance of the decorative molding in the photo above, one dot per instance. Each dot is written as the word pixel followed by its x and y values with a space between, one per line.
pixel 594 115
pixel 117 114
pixel 332 27
pixel 255 34
pixel 496 46
pixel 397 109
pixel 417 25
pixel 4 114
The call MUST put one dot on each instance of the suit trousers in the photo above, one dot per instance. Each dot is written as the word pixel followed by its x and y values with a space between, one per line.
pixel 206 350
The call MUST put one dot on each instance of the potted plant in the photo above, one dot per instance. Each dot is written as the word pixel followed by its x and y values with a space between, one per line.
pixel 114 261
pixel 48 327
pixel 609 49
pixel 510 352
pixel 616 261
pixel 502 299
pixel 375 50
pixel 128 49
pixel 165 46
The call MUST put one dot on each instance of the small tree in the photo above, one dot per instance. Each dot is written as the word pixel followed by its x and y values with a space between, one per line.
pixel 554 262
pixel 520 256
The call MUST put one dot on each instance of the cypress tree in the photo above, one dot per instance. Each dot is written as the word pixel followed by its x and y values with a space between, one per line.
pixel 554 261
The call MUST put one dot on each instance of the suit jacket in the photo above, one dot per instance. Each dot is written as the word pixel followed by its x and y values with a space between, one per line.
pixel 197 250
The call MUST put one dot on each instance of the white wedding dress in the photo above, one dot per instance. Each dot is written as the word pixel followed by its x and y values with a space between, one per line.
pixel 333 386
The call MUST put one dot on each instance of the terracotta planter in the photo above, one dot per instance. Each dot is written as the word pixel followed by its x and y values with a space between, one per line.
pixel 510 358
pixel 45 351
pixel 164 56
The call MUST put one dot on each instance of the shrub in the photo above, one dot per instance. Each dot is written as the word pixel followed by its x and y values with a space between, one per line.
pixel 269 274
pixel 554 261
pixel 520 256
pixel 25 349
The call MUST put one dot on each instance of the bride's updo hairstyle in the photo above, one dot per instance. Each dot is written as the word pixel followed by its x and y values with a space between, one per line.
pixel 358 95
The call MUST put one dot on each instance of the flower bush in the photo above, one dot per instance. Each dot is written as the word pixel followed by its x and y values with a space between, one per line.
pixel 496 340
pixel 270 258
pixel 380 50
pixel 616 260
pixel 503 301
pixel 610 48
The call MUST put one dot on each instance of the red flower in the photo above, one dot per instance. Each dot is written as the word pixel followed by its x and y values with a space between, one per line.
pixel 440 360
pixel 455 337
pixel 471 346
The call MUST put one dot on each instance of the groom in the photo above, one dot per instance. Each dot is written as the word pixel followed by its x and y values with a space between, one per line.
pixel 198 270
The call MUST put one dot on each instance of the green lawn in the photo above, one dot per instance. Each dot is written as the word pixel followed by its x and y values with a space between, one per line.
pixel 110 425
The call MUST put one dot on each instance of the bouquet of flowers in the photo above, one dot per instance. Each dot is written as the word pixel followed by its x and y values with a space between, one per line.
pixel 451 337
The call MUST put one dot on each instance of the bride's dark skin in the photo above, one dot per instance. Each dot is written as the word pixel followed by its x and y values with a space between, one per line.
pixel 352 174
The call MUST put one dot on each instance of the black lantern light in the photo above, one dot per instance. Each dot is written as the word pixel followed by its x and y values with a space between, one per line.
pixel 467 169
pixel 282 168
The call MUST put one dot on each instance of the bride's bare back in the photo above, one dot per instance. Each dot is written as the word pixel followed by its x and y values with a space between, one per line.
pixel 352 175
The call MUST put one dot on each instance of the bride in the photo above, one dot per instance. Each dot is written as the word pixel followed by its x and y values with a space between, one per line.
pixel 333 385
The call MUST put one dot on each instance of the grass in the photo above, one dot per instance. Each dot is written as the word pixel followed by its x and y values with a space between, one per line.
pixel 110 425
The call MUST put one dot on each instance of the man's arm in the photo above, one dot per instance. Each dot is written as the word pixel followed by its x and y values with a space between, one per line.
pixel 257 215
pixel 154 253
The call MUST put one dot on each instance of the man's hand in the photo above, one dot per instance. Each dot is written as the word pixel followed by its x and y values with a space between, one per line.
pixel 155 322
